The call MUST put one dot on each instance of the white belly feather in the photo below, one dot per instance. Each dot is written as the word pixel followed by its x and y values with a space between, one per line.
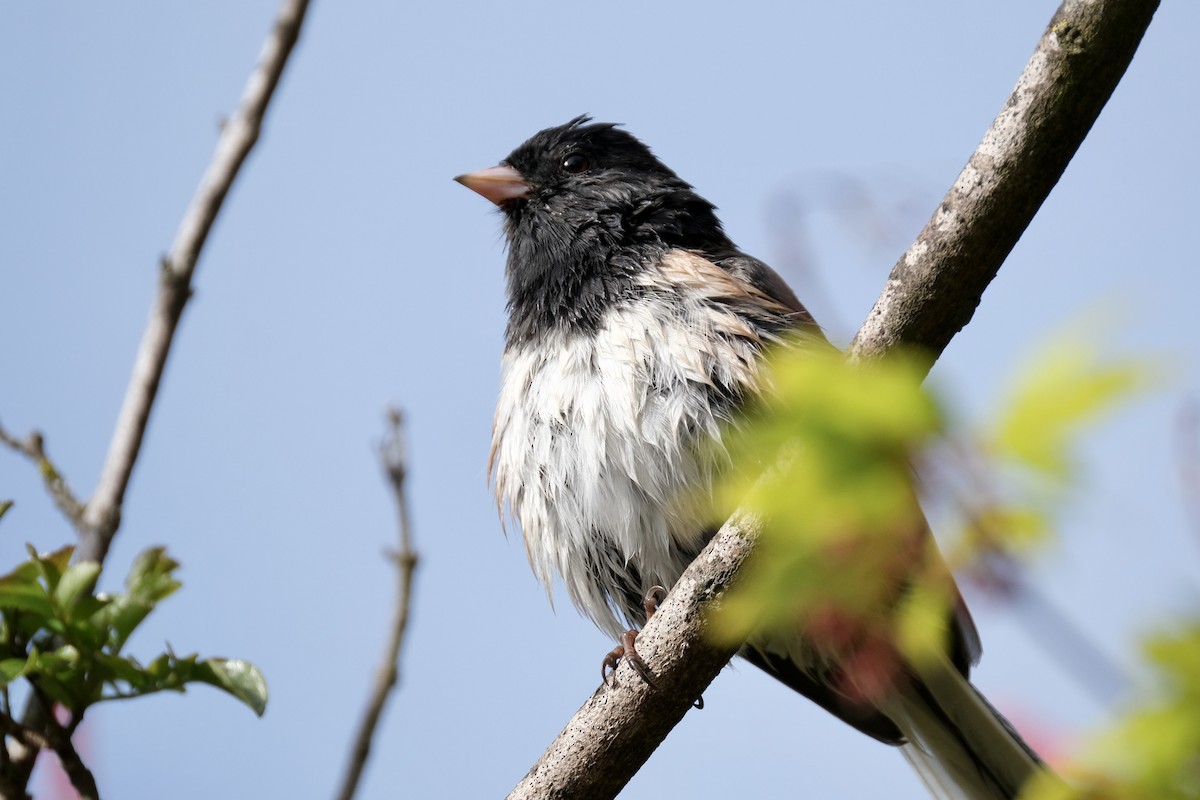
pixel 594 447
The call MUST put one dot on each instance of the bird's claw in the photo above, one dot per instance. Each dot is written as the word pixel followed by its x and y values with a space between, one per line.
pixel 627 651
pixel 653 598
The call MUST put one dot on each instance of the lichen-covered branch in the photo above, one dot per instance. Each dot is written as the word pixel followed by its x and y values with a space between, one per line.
pixel 937 284
pixel 617 729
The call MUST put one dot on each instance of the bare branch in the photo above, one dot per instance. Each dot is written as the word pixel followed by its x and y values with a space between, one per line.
pixel 962 481
pixel 30 738
pixel 393 453
pixel 51 736
pixel 33 446
pixel 1058 635
pixel 930 295
pixel 102 515
pixel 98 520
pixel 77 772
pixel 1187 453
pixel 935 286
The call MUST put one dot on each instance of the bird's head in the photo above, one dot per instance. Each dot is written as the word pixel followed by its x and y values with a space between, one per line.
pixel 583 174
pixel 586 205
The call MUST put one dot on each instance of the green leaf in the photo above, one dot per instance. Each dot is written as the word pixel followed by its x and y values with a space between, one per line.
pixel 119 617
pixel 20 589
pixel 161 669
pixel 169 672
pixel 60 660
pixel 151 576
pixel 114 669
pixel 27 571
pixel 5 505
pixel 76 581
pixel 1020 527
pixel 239 678
pixel 59 674
pixel 1063 387
pixel 51 565
pixel 84 631
pixel 923 632
pixel 11 669
pixel 150 580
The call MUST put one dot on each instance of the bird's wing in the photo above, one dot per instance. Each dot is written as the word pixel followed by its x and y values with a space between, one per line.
pixel 766 280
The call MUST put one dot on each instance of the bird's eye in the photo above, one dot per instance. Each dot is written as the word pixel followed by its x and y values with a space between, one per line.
pixel 576 163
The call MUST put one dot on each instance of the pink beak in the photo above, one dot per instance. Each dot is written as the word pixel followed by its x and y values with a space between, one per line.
pixel 496 183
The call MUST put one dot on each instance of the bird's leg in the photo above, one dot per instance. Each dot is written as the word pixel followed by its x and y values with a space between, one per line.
pixel 626 649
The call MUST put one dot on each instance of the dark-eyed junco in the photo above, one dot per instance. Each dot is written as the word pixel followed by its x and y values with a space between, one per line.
pixel 635 333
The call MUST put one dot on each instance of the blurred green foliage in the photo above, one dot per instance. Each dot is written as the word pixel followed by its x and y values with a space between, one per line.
pixel 1153 751
pixel 825 458
pixel 1062 389
pixel 844 536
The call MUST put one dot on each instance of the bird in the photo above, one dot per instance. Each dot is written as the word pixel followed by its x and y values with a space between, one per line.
pixel 636 334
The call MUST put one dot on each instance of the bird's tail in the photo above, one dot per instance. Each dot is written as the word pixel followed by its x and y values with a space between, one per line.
pixel 962 748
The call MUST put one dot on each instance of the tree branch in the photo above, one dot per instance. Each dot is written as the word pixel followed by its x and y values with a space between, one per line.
pixel 77 772
pixel 935 286
pixel 51 736
pixel 617 729
pixel 1187 454
pixel 931 294
pixel 393 454
pixel 102 515
pixel 98 520
pixel 33 447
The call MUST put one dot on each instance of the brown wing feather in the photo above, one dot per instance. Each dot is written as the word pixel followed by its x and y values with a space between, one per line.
pixel 737 275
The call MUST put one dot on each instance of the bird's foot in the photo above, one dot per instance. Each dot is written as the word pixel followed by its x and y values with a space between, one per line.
pixel 626 649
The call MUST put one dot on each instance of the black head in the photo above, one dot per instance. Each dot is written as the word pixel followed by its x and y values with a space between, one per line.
pixel 589 164
pixel 586 206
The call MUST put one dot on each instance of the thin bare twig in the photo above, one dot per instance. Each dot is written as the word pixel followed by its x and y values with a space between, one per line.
pixel 930 295
pixel 30 738
pixel 72 763
pixel 33 447
pixel 393 453
pixel 1187 455
pixel 1058 635
pixel 57 738
pixel 102 515
pixel 962 482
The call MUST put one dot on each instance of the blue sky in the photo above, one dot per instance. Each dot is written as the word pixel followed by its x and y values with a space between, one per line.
pixel 348 272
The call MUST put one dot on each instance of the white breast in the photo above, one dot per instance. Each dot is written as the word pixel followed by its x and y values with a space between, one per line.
pixel 594 449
